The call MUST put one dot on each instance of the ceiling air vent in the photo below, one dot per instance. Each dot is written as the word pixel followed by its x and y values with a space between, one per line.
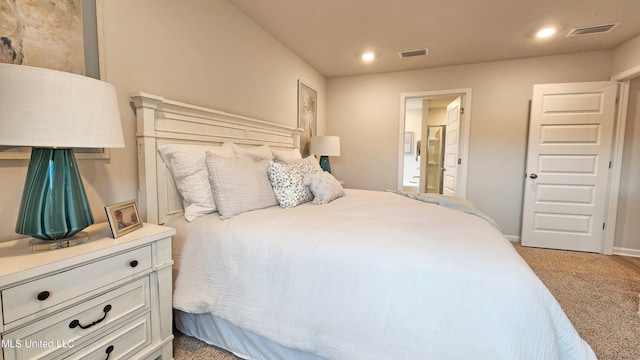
pixel 411 53
pixel 589 30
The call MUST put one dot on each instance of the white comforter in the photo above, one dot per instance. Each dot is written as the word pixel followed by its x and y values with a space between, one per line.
pixel 373 275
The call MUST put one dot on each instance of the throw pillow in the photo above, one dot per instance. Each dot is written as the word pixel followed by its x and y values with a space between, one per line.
pixel 287 182
pixel 186 163
pixel 286 156
pixel 239 185
pixel 324 186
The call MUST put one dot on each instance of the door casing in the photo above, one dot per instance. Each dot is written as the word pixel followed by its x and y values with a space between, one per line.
pixel 465 125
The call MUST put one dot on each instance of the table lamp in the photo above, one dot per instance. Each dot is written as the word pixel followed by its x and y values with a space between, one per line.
pixel 54 112
pixel 325 146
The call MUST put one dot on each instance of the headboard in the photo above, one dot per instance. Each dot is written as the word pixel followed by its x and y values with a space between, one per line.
pixel 161 121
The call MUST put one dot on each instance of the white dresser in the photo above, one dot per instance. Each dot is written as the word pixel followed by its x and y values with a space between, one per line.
pixel 103 299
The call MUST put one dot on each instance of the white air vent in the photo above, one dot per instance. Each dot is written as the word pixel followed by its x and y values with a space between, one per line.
pixel 411 53
pixel 589 30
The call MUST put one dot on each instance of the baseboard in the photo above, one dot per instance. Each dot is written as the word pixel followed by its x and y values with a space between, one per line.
pixel 616 250
pixel 626 252
pixel 513 238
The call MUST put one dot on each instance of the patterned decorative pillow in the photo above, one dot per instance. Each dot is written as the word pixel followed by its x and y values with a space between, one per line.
pixel 187 165
pixel 239 185
pixel 324 186
pixel 287 183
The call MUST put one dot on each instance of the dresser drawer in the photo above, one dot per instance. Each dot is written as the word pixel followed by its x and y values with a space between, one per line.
pixel 55 333
pixel 120 344
pixel 31 297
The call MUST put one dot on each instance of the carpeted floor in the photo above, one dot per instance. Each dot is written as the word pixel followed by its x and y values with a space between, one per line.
pixel 599 295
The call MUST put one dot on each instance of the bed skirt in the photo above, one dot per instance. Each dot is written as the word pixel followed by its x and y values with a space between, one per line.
pixel 244 344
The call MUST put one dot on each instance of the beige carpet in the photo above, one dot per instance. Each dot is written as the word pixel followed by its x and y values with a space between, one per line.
pixel 599 295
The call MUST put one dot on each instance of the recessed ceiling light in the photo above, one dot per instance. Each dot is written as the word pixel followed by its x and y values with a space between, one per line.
pixel 546 32
pixel 368 56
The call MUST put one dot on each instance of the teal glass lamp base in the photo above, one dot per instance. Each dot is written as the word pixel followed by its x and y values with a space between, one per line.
pixel 324 163
pixel 54 203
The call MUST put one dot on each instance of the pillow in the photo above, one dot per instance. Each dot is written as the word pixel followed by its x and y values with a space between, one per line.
pixel 324 186
pixel 287 182
pixel 286 156
pixel 311 161
pixel 253 152
pixel 239 185
pixel 189 170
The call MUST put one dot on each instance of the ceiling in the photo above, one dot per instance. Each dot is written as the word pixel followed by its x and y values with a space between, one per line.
pixel 331 35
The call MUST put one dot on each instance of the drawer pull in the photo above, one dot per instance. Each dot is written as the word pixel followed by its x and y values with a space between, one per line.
pixel 108 351
pixel 134 263
pixel 76 323
pixel 43 295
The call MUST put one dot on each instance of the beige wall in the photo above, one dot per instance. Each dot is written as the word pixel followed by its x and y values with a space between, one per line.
pixel 203 52
pixel 365 112
pixel 626 56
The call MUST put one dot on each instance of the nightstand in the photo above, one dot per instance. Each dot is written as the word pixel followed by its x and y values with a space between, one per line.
pixel 106 298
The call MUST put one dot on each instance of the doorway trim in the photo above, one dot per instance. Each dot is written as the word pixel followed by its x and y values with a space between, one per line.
pixel 623 78
pixel 463 151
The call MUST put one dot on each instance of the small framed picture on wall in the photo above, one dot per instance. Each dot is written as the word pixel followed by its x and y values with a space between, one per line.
pixel 123 217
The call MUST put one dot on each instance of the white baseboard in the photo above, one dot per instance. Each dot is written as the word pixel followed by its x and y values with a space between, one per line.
pixel 616 250
pixel 513 238
pixel 626 252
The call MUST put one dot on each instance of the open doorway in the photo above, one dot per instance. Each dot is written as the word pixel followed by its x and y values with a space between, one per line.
pixel 434 142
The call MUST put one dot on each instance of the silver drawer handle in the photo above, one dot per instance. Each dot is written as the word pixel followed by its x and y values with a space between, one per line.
pixel 75 323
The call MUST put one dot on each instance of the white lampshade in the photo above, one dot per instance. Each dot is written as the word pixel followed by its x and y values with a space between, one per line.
pixel 325 145
pixel 46 108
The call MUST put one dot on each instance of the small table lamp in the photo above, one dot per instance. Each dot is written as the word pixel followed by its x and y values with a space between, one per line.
pixel 53 112
pixel 325 146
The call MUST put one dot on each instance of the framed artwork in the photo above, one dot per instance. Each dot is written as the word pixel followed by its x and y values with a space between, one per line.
pixel 63 35
pixel 123 217
pixel 44 34
pixel 307 115
pixel 408 142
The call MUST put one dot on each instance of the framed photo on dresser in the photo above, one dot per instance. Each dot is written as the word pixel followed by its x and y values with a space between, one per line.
pixel 123 217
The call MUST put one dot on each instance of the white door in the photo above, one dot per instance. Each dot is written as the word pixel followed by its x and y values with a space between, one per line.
pixel 452 140
pixel 568 161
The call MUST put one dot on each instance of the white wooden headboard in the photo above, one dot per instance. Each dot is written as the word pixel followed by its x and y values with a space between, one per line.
pixel 161 121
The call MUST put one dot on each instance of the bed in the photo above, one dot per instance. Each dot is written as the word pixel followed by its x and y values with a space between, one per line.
pixel 351 275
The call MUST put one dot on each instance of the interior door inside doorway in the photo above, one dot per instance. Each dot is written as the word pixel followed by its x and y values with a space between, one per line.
pixel 435 157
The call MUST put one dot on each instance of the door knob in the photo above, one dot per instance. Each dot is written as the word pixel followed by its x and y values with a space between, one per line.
pixel 533 176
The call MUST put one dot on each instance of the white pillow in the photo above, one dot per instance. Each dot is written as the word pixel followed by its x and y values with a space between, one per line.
pixel 286 156
pixel 253 152
pixel 239 185
pixel 324 186
pixel 189 170
pixel 287 182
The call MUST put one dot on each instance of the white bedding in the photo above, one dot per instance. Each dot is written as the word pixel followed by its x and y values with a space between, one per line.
pixel 373 275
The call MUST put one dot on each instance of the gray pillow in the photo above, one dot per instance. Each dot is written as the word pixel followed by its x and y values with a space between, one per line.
pixel 324 186
pixel 239 185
